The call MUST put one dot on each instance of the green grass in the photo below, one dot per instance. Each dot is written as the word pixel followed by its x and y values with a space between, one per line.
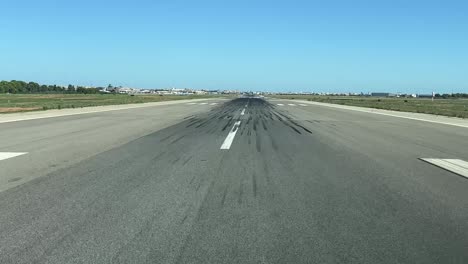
pixel 445 107
pixel 33 102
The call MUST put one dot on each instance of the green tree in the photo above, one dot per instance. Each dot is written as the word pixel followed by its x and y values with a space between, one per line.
pixel 3 86
pixel 16 86
pixel 10 87
pixel 44 89
pixel 32 87
pixel 71 89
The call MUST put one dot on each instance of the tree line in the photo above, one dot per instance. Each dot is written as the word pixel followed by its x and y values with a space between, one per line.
pixel 454 95
pixel 33 87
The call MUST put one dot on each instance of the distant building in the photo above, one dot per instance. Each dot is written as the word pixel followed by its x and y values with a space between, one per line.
pixel 161 91
pixel 177 91
pixel 384 94
pixel 124 90
pixel 230 92
pixel 425 95
pixel 380 94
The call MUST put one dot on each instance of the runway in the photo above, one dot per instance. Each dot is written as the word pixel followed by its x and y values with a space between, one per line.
pixel 241 181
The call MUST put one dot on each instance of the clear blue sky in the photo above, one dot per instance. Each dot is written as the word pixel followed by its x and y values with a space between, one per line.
pixel 399 46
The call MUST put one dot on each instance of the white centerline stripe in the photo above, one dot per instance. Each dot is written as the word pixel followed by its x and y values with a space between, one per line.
pixel 280 104
pixel 213 103
pixel 203 103
pixel 302 105
pixel 243 111
pixel 292 104
pixel 7 155
pixel 457 166
pixel 230 137
pixel 191 103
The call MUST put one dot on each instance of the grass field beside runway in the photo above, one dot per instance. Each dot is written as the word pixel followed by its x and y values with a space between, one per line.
pixel 31 102
pixel 445 107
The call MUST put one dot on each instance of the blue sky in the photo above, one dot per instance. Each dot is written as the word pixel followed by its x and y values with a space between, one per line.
pixel 331 46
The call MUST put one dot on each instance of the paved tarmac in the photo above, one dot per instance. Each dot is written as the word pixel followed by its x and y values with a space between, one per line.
pixel 241 181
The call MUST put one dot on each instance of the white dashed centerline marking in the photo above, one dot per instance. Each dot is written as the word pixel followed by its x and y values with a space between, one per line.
pixel 280 104
pixel 203 103
pixel 243 111
pixel 191 103
pixel 456 166
pixel 213 103
pixel 292 104
pixel 302 105
pixel 7 155
pixel 230 137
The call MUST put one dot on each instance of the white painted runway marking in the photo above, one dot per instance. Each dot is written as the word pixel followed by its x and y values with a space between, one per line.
pixel 456 166
pixel 191 103
pixel 213 103
pixel 7 155
pixel 374 111
pixel 203 103
pixel 243 111
pixel 302 105
pixel 280 104
pixel 230 137
pixel 292 104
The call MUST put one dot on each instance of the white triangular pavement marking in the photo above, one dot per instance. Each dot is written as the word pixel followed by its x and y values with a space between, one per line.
pixel 8 155
pixel 458 162
pixel 457 166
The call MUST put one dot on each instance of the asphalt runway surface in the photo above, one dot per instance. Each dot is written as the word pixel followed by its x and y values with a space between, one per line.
pixel 240 181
